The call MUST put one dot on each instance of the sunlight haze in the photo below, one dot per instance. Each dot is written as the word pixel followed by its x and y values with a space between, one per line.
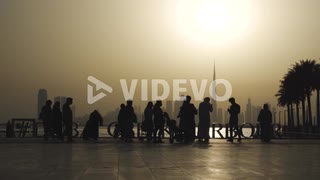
pixel 56 45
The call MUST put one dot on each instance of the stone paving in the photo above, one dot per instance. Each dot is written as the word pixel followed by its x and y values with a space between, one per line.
pixel 112 159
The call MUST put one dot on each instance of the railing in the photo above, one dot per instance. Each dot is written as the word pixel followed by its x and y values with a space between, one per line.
pixel 24 128
pixel 216 129
pixel 3 130
pixel 27 128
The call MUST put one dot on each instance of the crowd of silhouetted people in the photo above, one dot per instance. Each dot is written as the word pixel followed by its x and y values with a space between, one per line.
pixel 58 124
pixel 155 119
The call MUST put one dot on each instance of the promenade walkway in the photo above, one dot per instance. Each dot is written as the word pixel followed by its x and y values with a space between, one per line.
pixel 111 159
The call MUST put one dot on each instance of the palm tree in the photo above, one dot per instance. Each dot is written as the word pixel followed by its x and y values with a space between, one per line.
pixel 283 101
pixel 298 91
pixel 304 75
pixel 316 86
pixel 285 98
pixel 307 69
pixel 294 94
pixel 296 87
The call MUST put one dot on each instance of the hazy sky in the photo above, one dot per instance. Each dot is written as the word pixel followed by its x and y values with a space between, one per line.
pixel 57 44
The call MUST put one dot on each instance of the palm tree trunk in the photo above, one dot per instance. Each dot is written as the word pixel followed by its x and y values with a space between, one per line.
pixel 318 108
pixel 289 118
pixel 298 114
pixel 309 109
pixel 292 116
pixel 303 103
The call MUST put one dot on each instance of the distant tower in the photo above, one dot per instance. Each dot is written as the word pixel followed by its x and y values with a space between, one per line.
pixel 214 102
pixel 42 98
pixel 248 114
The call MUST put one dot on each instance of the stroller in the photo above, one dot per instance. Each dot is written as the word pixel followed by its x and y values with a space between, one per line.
pixel 173 130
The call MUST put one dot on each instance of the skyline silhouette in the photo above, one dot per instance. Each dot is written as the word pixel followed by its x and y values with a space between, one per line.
pixel 116 40
pixel 160 89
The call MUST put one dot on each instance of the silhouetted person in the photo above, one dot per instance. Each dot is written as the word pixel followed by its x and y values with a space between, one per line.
pixel 57 120
pixel 234 110
pixel 67 118
pixel 265 119
pixel 122 117
pixel 130 118
pixel 204 120
pixel 187 119
pixel 147 124
pixel 46 116
pixel 91 130
pixel 158 122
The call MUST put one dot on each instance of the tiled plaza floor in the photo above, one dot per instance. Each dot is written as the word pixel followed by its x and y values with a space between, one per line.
pixel 111 159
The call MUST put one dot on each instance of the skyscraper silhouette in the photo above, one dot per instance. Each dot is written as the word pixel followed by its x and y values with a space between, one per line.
pixel 42 98
pixel 214 102
pixel 248 113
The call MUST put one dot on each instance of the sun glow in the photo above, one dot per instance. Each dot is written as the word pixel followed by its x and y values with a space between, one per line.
pixel 212 21
pixel 213 16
